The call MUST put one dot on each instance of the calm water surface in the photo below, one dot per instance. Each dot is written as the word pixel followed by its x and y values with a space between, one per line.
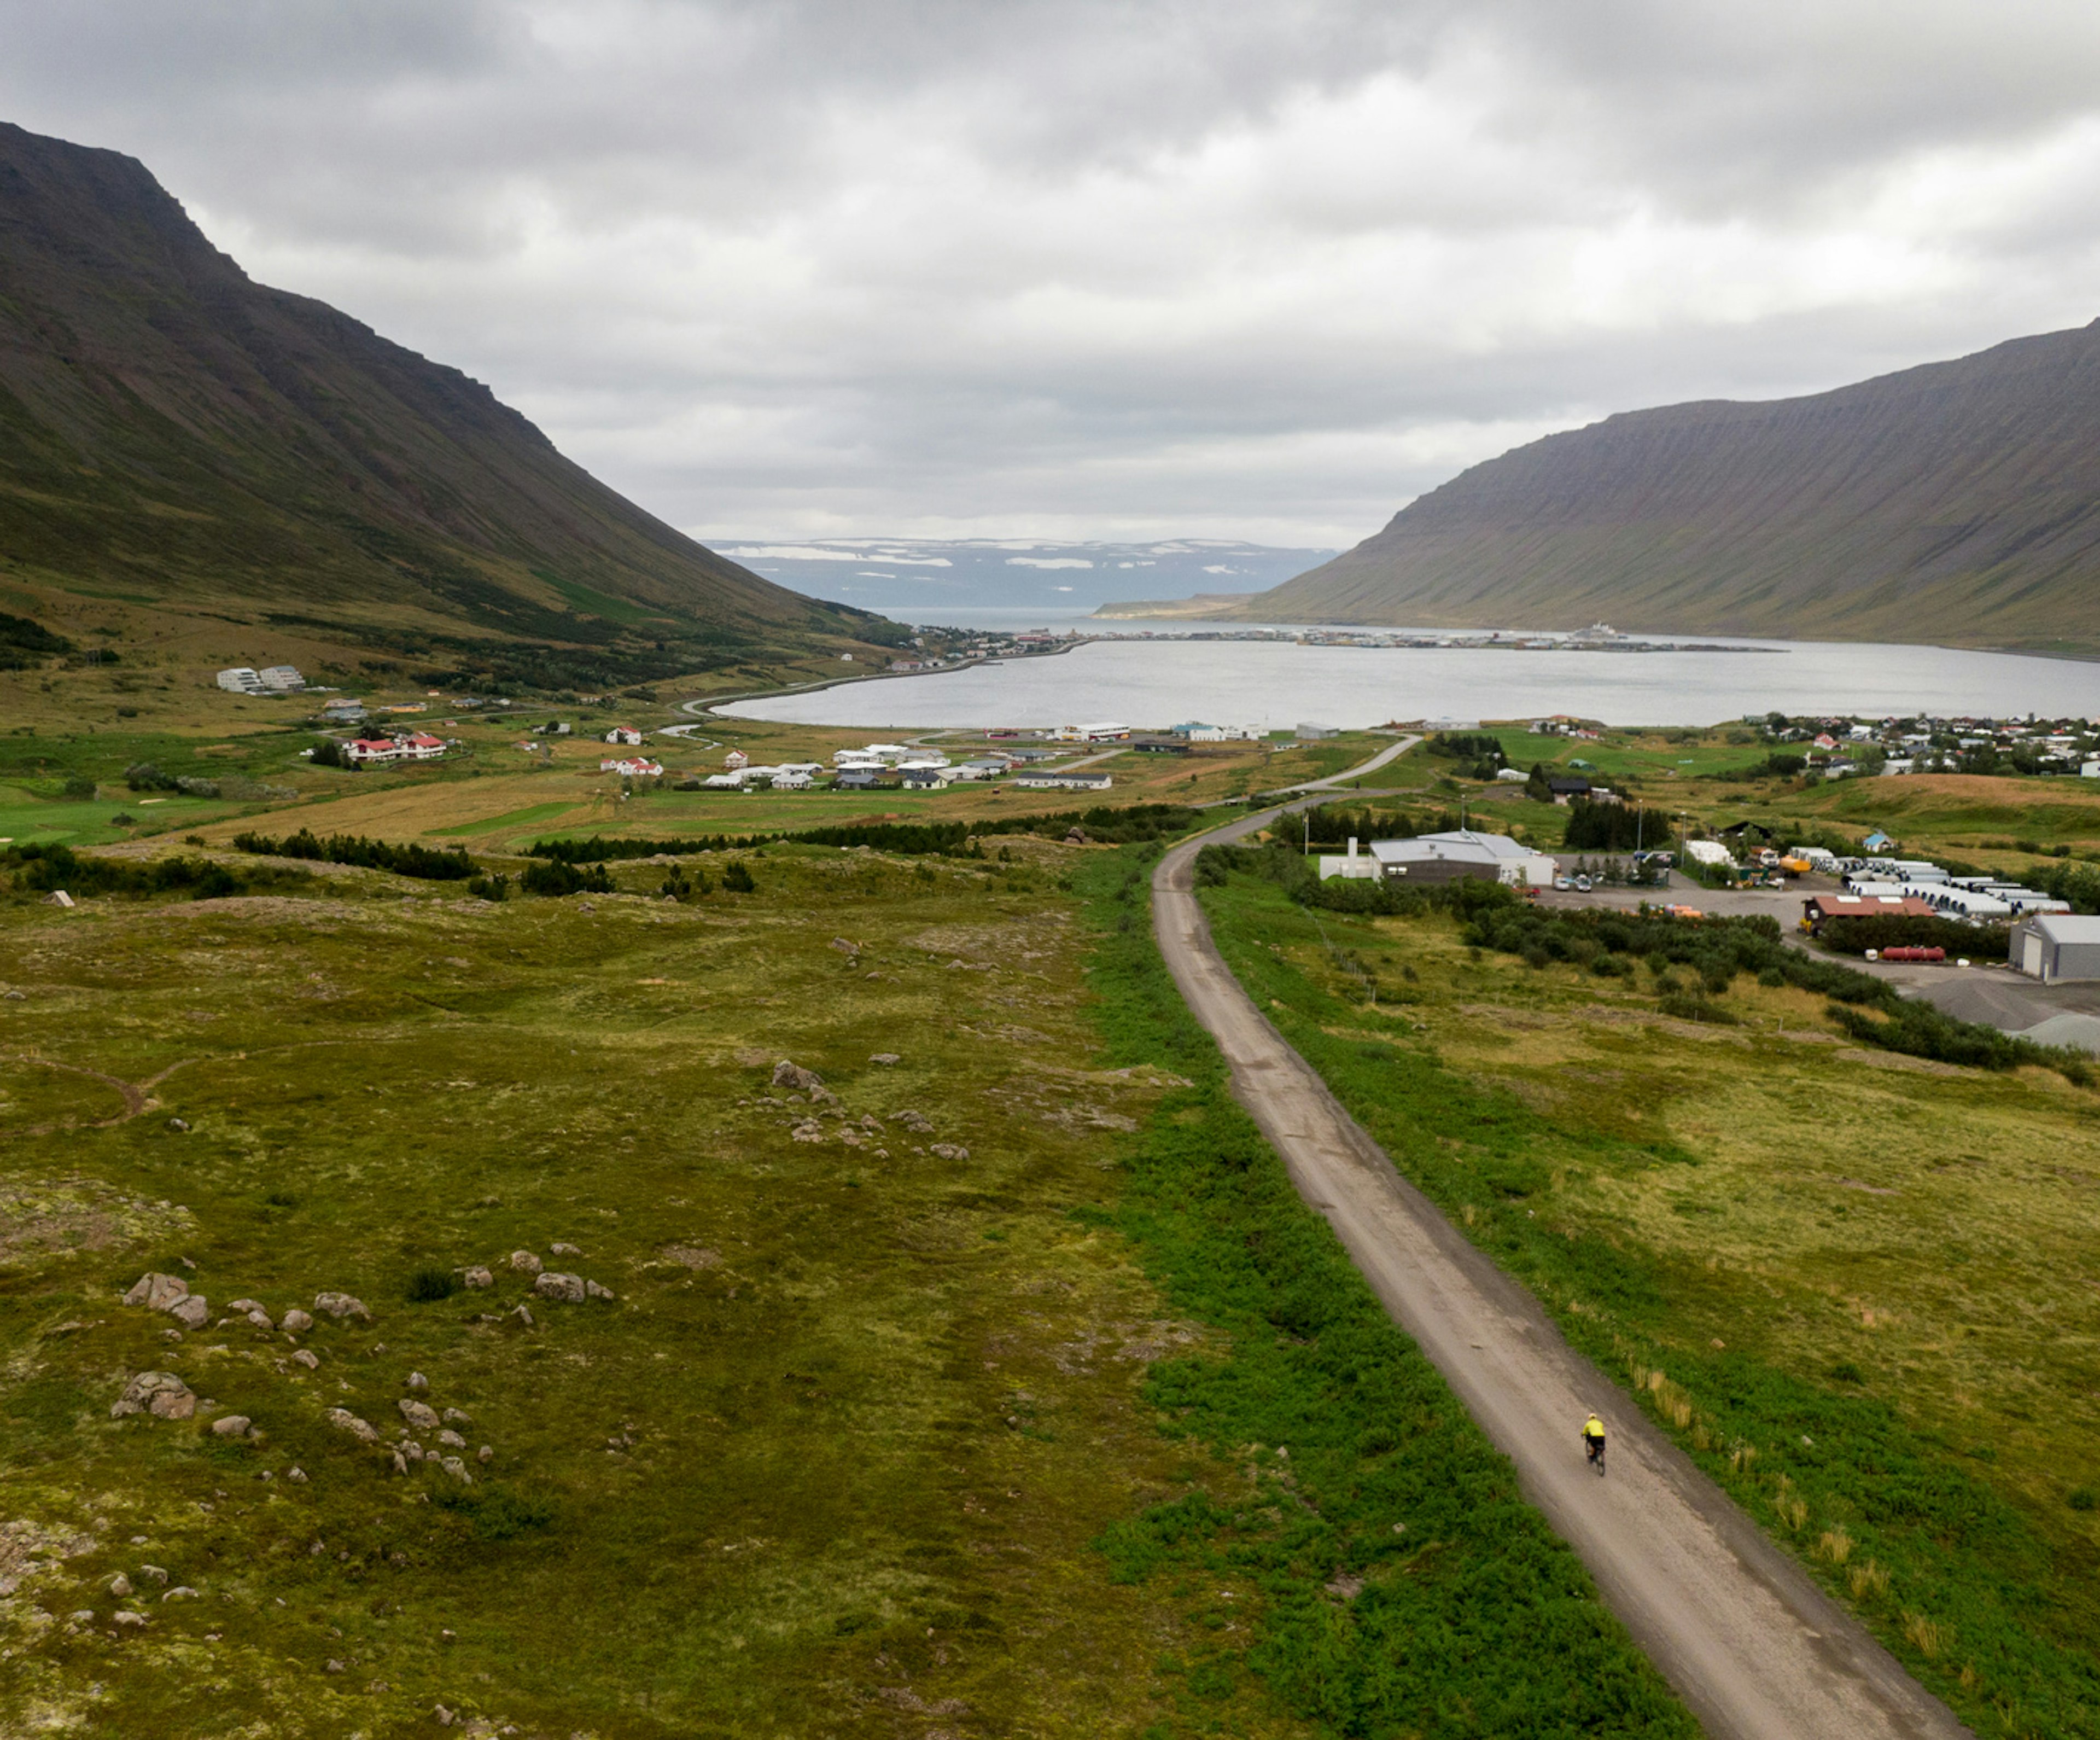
pixel 1277 684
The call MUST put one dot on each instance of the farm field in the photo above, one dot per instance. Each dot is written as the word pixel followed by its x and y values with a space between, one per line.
pixel 1853 1284
pixel 946 1399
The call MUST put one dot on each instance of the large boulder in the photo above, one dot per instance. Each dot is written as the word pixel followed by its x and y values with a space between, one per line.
pixel 419 1414
pixel 192 1312
pixel 231 1426
pixel 340 1305
pixel 161 1393
pixel 525 1262
pixel 296 1321
pixel 795 1078
pixel 157 1292
pixel 568 1289
pixel 343 1420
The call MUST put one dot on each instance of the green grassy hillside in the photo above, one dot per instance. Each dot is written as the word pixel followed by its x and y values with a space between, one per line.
pixel 1957 503
pixel 175 436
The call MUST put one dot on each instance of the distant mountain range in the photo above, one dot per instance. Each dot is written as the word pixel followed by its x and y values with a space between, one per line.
pixel 920 579
pixel 175 435
pixel 1958 503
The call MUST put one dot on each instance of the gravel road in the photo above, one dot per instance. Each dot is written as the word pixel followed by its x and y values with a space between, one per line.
pixel 1749 1642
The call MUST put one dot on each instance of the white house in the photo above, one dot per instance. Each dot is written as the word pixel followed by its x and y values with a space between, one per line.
pixel 725 782
pixel 1050 778
pixel 625 734
pixel 632 767
pixel 791 780
pixel 1104 731
pixel 241 679
pixel 371 749
pixel 734 759
pixel 420 746
pixel 281 679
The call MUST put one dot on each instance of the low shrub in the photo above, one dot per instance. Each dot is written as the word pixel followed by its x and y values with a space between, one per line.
pixel 426 864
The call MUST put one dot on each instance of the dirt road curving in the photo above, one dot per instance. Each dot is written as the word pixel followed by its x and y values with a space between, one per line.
pixel 1749 1642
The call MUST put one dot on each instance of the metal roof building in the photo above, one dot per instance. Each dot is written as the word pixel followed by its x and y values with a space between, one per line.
pixel 2056 946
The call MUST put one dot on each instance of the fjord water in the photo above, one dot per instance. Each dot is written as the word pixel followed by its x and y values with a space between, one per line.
pixel 1280 683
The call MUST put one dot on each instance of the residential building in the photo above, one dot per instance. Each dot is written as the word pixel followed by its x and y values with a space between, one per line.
pixel 854 780
pixel 1310 733
pixel 632 767
pixel 366 750
pixel 734 759
pixel 241 679
pixel 420 746
pixel 2055 947
pixel 625 734
pixel 1105 731
pixel 1052 779
pixel 281 679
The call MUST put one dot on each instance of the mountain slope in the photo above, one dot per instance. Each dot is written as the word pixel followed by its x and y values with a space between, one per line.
pixel 172 429
pixel 1955 503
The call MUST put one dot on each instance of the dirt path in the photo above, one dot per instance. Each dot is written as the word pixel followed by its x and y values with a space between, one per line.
pixel 1748 1641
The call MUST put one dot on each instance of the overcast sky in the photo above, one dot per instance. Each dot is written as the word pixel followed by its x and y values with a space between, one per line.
pixel 784 270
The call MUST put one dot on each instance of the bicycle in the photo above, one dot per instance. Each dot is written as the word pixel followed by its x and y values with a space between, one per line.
pixel 1596 1450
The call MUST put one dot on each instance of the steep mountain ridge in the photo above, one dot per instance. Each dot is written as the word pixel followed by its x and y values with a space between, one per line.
pixel 172 429
pixel 1956 502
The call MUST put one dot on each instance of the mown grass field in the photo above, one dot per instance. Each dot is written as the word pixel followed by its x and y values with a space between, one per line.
pixel 1856 1286
pixel 1023 1399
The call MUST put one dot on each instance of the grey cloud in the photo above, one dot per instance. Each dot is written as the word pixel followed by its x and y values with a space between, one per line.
pixel 780 267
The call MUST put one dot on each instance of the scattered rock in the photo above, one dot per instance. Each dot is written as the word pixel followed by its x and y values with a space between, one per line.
pixel 592 1290
pixel 127 1618
pixel 156 1292
pixel 844 947
pixel 400 1463
pixel 886 1058
pixel 296 1475
pixel 417 1382
pixel 296 1321
pixel 458 1416
pixel 335 1667
pixel 120 1586
pixel 419 1414
pixel 244 1304
pixel 948 1150
pixel 181 1592
pixel 523 1317
pixel 260 1318
pixel 568 1289
pixel 451 1440
pixel 811 1132
pixel 178 1125
pixel 912 1120
pixel 526 1262
pixel 161 1393
pixel 565 1250
pixel 457 1469
pixel 231 1426
pixel 17 996
pixel 171 1335
pixel 192 1312
pixel 307 1357
pixel 480 1277
pixel 155 1574
pixel 485 1455
pixel 340 1305
pixel 343 1420
pixel 794 1077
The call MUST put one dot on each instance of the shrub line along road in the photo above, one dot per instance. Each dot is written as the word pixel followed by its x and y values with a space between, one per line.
pixel 1749 1643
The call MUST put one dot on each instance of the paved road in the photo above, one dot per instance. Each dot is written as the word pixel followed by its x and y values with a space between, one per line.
pixel 1391 752
pixel 1755 1649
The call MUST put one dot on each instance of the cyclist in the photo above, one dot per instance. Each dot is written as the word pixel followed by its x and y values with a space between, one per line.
pixel 1593 1438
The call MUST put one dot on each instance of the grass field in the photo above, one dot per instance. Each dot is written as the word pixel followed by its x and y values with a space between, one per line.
pixel 1854 1285
pixel 950 1406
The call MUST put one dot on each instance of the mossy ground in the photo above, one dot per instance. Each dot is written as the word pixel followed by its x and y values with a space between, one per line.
pixel 831 1463
pixel 1868 1272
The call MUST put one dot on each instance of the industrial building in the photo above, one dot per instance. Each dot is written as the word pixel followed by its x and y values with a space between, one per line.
pixel 2053 947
